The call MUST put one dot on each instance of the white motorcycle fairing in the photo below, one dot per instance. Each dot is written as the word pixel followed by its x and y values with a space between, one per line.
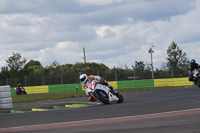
pixel 196 77
pixel 103 91
pixel 196 73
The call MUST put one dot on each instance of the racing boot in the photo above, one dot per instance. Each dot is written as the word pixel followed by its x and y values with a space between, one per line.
pixel 113 90
pixel 91 99
pixel 191 76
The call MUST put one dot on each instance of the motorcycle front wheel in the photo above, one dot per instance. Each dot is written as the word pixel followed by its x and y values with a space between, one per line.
pixel 24 93
pixel 121 99
pixel 102 96
pixel 198 82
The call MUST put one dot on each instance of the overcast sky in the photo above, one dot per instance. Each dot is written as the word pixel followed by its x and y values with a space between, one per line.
pixel 113 32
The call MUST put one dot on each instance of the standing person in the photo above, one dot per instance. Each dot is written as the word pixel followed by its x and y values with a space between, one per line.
pixel 86 80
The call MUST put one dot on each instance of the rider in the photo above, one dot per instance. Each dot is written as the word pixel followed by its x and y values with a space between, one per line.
pixel 193 66
pixel 86 80
pixel 18 88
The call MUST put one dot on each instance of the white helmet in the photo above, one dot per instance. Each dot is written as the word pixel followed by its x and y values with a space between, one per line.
pixel 83 78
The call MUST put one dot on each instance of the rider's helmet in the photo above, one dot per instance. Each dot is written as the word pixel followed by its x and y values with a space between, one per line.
pixel 83 78
pixel 193 61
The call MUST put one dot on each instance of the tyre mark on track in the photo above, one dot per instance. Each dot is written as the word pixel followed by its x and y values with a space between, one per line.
pixel 99 121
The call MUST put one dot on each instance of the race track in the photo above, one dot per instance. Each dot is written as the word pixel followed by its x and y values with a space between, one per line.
pixel 170 110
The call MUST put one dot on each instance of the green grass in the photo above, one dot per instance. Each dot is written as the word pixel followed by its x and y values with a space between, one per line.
pixel 63 95
pixel 48 96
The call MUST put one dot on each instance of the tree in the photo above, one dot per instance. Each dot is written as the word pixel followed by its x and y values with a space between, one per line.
pixel 139 66
pixel 176 59
pixel 32 67
pixel 15 62
pixel 5 71
pixel 54 64
pixel 32 63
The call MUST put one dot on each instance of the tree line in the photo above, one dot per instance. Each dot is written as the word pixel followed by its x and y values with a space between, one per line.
pixel 32 73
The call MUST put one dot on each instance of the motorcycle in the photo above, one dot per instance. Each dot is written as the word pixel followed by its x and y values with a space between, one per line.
pixel 20 91
pixel 196 77
pixel 103 93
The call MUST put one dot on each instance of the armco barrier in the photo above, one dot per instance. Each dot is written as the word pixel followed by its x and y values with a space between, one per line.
pixel 135 83
pixel 37 89
pixel 112 83
pixel 116 84
pixel 5 98
pixel 12 90
pixel 33 89
pixel 65 87
pixel 172 82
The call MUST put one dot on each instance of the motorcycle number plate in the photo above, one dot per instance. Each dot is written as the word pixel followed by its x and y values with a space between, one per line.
pixel 91 86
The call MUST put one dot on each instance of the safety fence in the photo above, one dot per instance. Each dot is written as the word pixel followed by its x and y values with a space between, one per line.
pixel 116 84
pixel 172 82
pixel 51 88
pixel 135 83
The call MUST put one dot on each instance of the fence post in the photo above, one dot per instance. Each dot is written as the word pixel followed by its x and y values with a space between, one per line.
pixel 25 81
pixel 97 71
pixel 6 80
pixel 115 73
pixel 133 71
pixel 61 75
pixel 42 79
pixel 172 73
pixel 80 72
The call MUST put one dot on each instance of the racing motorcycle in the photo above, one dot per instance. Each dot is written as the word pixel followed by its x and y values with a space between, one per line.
pixel 196 76
pixel 103 93
pixel 20 91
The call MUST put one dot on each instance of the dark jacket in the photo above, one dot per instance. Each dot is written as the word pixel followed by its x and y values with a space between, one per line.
pixel 193 66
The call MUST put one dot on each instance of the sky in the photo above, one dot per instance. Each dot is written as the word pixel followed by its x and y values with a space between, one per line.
pixel 113 32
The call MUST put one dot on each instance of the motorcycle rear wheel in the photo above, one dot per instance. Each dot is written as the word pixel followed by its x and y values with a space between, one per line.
pixel 121 99
pixel 102 96
pixel 17 93
pixel 24 93
pixel 198 82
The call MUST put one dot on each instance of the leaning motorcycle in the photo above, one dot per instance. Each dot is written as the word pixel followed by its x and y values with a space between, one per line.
pixel 103 93
pixel 196 76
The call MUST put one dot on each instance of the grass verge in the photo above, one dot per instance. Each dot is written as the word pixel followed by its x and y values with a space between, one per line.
pixel 63 95
pixel 48 96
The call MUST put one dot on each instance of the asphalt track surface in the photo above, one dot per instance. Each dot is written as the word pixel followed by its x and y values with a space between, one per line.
pixel 171 110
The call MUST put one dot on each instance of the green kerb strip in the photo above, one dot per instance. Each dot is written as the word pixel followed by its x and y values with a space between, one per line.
pixel 84 103
pixel 15 111
pixel 59 107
